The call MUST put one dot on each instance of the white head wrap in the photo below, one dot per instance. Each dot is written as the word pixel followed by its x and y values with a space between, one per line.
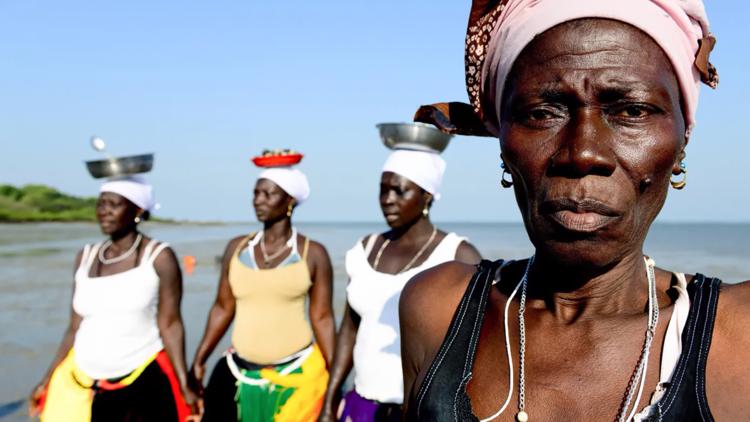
pixel 291 180
pixel 426 169
pixel 134 188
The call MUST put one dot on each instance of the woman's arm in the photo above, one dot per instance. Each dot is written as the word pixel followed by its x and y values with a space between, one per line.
pixel 342 363
pixel 219 317
pixel 169 319
pixel 321 297
pixel 426 308
pixel 65 345
pixel 727 369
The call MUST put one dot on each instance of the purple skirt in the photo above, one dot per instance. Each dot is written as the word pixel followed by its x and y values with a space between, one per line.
pixel 355 408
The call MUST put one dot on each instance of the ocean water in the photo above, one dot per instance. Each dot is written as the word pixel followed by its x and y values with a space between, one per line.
pixel 36 263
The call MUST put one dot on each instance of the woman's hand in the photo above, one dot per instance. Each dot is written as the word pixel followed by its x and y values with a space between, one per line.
pixel 36 398
pixel 328 412
pixel 195 402
pixel 327 415
pixel 195 377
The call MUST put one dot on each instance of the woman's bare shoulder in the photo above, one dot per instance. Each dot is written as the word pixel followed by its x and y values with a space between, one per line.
pixel 232 246
pixel 233 242
pixel 430 298
pixel 438 281
pixel 726 387
pixel 733 312
pixel 316 248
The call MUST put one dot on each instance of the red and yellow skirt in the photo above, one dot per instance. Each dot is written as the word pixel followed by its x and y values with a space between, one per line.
pixel 150 392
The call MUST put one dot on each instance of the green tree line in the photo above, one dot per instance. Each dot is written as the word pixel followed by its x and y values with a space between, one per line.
pixel 43 203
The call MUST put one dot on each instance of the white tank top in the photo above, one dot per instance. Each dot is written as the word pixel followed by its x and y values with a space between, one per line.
pixel 374 296
pixel 119 330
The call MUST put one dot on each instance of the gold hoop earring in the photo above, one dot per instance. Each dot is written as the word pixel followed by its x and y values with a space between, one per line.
pixel 506 183
pixel 289 210
pixel 680 184
pixel 425 212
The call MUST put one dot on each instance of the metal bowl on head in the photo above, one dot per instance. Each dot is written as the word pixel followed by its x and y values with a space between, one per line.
pixel 120 166
pixel 415 136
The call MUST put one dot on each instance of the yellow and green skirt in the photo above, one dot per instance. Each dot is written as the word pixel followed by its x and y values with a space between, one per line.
pixel 291 391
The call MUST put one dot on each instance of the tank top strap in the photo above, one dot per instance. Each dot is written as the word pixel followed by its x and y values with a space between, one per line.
pixel 672 345
pixel 446 249
pixel 369 244
pixel 86 256
pixel 148 250
pixel 306 248
pixel 90 256
pixel 456 355
pixel 155 251
pixel 249 241
pixel 685 399
pixel 293 243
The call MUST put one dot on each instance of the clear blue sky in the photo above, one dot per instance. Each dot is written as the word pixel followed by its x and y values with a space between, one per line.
pixel 207 85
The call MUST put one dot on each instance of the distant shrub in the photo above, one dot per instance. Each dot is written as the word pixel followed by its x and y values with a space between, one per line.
pixel 43 203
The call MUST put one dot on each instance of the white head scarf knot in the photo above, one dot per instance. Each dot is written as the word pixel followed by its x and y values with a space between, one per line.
pixel 426 169
pixel 134 188
pixel 291 180
pixel 675 25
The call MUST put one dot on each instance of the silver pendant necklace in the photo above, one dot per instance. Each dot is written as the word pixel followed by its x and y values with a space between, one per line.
pixel 637 380
pixel 119 258
pixel 413 260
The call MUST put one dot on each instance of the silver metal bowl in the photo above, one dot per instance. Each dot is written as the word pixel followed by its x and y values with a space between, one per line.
pixel 121 166
pixel 416 136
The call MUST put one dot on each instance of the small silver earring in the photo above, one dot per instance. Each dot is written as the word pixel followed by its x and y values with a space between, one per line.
pixel 137 219
pixel 426 212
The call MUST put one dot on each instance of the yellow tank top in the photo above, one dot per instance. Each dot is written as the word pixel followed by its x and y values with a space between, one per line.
pixel 269 318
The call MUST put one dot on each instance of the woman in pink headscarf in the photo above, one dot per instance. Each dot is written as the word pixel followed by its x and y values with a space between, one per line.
pixel 593 102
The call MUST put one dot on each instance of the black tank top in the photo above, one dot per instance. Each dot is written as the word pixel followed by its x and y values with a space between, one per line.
pixel 442 395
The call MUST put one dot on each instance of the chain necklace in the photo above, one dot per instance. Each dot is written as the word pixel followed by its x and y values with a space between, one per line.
pixel 414 258
pixel 119 258
pixel 268 258
pixel 637 380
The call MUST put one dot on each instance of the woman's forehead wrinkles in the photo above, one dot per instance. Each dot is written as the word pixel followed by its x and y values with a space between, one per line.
pixel 597 59
pixel 548 84
pixel 566 59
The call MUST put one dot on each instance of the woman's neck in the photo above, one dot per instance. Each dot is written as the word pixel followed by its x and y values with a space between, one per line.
pixel 279 229
pixel 123 241
pixel 571 294
pixel 415 232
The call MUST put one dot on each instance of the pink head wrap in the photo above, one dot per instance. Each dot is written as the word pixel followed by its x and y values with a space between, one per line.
pixel 675 25
pixel 500 29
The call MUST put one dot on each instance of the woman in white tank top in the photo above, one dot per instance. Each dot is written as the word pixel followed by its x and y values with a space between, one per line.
pixel 379 266
pixel 122 356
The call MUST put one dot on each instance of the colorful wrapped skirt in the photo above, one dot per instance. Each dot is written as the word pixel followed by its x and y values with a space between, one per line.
pixel 355 408
pixel 291 391
pixel 150 393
